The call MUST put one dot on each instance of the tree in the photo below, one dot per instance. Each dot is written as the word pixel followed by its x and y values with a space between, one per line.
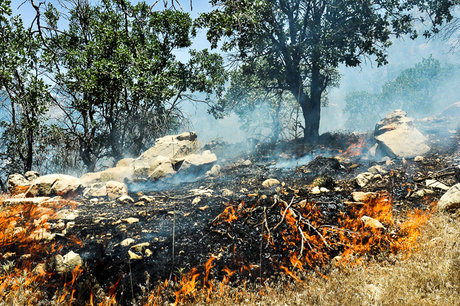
pixel 304 41
pixel 118 81
pixel 25 97
pixel 416 90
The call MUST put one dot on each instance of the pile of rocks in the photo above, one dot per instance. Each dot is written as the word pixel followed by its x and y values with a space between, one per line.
pixel 170 156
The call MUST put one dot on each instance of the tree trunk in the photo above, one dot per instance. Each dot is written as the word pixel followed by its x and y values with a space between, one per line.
pixel 311 107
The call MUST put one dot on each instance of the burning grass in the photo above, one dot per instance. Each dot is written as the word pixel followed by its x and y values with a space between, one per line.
pixel 303 241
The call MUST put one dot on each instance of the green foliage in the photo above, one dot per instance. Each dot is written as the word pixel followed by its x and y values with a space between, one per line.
pixel 302 42
pixel 25 99
pixel 415 90
pixel 116 69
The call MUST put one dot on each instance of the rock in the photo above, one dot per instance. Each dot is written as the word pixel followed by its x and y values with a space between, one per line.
pixel 115 189
pixel 17 183
pixel 134 256
pixel 247 162
pixel 422 193
pixel 198 163
pixel 451 199
pixel 173 146
pixel 127 242
pixel 31 175
pixel 215 171
pixel 95 190
pixel 270 182
pixel 131 220
pixel 371 222
pixel 67 263
pixel 377 169
pixel 315 190
pixel 397 136
pixel 360 196
pixel 418 158
pixel 436 184
pixel 160 168
pixel 125 199
pixel 140 246
pixel 67 214
pixel 364 178
pixel 54 184
pixel 227 192
pixel 196 200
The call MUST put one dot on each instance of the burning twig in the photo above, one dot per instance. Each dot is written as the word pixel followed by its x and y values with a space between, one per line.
pixel 284 214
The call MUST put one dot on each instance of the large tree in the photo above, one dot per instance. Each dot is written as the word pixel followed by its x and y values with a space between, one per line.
pixel 304 41
pixel 118 80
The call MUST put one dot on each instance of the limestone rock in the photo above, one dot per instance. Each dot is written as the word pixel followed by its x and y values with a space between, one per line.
pixel 31 175
pixel 397 136
pixel 360 196
pixel 436 184
pixel 215 171
pixel 115 189
pixel 198 163
pixel 227 192
pixel 125 199
pixel 134 256
pixel 54 184
pixel 173 146
pixel 17 183
pixel 127 242
pixel 371 222
pixel 160 168
pixel 270 182
pixel 68 262
pixel 451 199
pixel 364 178
pixel 131 220
pixel 95 190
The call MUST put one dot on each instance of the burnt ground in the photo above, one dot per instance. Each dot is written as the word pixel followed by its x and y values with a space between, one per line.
pixel 183 234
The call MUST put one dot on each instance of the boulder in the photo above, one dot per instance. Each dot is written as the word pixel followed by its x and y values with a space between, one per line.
pixel 68 262
pixel 54 184
pixel 198 163
pixel 17 183
pixel 160 168
pixel 397 136
pixel 364 178
pixel 95 190
pixel 31 175
pixel 451 199
pixel 115 189
pixel 173 146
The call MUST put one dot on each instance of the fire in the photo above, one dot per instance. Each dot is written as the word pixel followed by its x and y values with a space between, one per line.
pixel 355 149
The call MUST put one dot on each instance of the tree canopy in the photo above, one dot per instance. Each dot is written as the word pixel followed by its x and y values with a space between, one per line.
pixel 304 41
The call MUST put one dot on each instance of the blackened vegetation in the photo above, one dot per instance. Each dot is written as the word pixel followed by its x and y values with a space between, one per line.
pixel 248 231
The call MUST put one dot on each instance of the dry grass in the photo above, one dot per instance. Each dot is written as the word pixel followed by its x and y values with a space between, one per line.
pixel 431 276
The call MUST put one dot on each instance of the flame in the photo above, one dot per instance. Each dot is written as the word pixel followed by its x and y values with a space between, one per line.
pixel 355 149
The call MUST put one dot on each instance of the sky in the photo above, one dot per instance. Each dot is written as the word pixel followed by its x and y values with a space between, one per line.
pixel 403 54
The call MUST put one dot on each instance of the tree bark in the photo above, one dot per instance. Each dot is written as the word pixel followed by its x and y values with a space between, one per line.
pixel 312 109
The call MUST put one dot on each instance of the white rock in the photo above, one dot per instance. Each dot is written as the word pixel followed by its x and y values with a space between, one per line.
pixel 140 246
pixel 127 242
pixel 196 200
pixel 133 256
pixel 115 189
pixel 227 192
pixel 16 182
pixel 315 190
pixel 371 222
pixel 397 136
pixel 436 184
pixel 418 158
pixel 364 178
pixel 451 199
pixel 125 199
pixel 270 182
pixel 54 184
pixel 67 263
pixel 131 220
